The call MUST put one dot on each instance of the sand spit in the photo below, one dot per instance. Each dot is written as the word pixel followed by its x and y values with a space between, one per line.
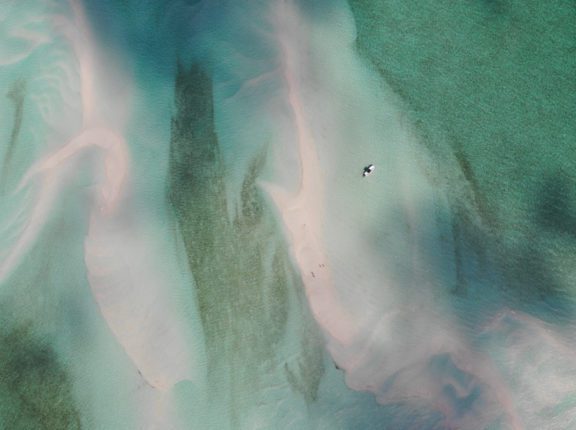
pixel 303 212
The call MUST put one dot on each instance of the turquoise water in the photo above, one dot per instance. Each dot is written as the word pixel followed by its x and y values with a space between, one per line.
pixel 152 275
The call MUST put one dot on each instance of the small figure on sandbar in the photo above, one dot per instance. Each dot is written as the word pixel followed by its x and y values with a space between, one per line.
pixel 368 170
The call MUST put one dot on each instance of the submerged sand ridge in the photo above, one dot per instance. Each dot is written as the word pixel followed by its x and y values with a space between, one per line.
pixel 120 272
pixel 365 330
pixel 108 315
pixel 303 213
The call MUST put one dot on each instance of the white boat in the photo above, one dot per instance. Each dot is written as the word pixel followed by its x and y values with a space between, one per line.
pixel 368 169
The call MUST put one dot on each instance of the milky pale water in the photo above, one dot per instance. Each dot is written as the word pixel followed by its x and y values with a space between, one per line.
pixel 148 279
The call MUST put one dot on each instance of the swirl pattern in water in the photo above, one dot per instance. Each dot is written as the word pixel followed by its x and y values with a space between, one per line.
pixel 287 214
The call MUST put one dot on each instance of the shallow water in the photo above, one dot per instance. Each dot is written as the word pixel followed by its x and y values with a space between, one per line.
pixel 187 241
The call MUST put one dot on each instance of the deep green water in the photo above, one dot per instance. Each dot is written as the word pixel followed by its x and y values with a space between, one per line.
pixel 490 88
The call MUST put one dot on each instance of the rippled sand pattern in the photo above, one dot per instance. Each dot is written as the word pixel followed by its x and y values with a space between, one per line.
pixel 187 242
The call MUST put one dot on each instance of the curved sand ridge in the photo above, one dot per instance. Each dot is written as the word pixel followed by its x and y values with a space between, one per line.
pixel 133 289
pixel 126 280
pixel 303 212
pixel 365 340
